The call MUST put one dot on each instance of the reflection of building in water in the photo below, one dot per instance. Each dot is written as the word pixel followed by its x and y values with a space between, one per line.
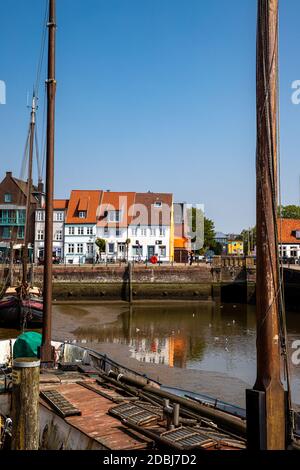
pixel 180 352
pixel 169 351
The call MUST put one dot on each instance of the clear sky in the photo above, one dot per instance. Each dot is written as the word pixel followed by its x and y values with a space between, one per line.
pixel 152 95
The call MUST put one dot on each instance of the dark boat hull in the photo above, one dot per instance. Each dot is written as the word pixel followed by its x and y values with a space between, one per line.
pixel 16 312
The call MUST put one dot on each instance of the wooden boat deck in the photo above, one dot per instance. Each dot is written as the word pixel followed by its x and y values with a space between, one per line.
pixel 96 399
pixel 94 422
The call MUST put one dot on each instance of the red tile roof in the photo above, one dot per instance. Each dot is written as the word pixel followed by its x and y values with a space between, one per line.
pixel 60 204
pixel 147 214
pixel 89 201
pixel 118 201
pixel 287 230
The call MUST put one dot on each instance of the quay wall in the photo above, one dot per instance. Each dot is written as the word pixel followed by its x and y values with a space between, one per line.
pixel 227 280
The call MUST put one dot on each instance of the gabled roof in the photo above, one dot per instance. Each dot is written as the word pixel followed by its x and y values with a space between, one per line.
pixel 116 201
pixel 287 229
pixel 90 200
pixel 146 213
pixel 23 185
pixel 60 204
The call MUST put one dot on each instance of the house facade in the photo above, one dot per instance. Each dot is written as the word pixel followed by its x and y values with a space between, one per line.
pixel 222 239
pixel 80 227
pixel 136 226
pixel 182 240
pixel 235 247
pixel 59 214
pixel 289 238
pixel 113 221
pixel 151 231
pixel 13 197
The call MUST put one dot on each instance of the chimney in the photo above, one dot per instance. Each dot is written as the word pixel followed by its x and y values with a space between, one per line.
pixel 40 186
pixel 9 173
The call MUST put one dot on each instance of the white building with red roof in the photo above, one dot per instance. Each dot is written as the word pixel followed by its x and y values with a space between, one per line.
pixel 60 207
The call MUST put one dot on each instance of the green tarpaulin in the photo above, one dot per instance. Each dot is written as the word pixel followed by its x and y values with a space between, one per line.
pixel 27 345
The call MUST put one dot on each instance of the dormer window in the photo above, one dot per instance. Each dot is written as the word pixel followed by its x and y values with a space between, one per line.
pixel 298 234
pixel 157 204
pixel 7 197
pixel 82 215
pixel 114 216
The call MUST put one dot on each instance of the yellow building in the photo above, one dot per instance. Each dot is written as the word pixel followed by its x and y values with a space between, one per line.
pixel 235 247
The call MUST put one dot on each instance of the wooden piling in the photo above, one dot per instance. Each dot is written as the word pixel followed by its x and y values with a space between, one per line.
pixel 25 404
pixel 130 282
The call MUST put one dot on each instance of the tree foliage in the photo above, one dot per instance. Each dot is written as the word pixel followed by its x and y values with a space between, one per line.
pixel 203 230
pixel 101 244
pixel 289 212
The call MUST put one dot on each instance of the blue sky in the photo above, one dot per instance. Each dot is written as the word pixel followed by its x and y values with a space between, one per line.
pixel 152 95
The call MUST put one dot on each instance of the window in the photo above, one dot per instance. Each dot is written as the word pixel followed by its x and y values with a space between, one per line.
pixel 111 248
pixel 7 197
pixel 293 251
pixel 162 232
pixel 58 235
pixel 71 248
pixel 162 251
pixel 153 232
pixel 71 230
pixel 134 231
pixel 157 204
pixel 114 216
pixel 80 231
pixel 137 250
pixel 80 248
pixel 21 216
pixel 90 248
pixel 89 230
pixel 40 216
pixel 106 232
pixel 82 215
pixel 40 235
pixel 118 232
pixel 21 232
pixel 6 232
pixel 58 216
pixel 143 232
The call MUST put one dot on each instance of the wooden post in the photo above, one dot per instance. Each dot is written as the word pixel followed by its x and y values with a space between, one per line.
pixel 11 264
pixel 266 417
pixel 47 356
pixel 25 404
pixel 130 282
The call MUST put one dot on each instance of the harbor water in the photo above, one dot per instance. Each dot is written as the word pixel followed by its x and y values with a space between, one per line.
pixel 203 347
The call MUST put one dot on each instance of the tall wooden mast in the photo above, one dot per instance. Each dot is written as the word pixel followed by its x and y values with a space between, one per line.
pixel 46 350
pixel 29 192
pixel 266 403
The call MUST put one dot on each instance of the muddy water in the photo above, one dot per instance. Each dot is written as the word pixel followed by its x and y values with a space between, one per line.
pixel 203 347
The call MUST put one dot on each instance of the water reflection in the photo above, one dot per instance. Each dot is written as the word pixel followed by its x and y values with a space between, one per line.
pixel 200 336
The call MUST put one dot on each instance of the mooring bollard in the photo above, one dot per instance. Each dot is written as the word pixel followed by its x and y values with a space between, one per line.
pixel 25 404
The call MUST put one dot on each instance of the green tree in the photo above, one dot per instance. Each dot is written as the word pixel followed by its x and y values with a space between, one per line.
pixel 101 244
pixel 289 212
pixel 203 229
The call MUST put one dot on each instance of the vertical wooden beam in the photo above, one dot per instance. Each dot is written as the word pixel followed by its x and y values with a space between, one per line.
pixel 268 383
pixel 25 404
pixel 46 351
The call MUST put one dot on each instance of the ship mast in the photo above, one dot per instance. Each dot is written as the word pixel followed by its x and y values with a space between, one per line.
pixel 46 349
pixel 266 414
pixel 29 192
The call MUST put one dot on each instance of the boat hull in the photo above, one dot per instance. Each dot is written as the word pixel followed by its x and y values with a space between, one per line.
pixel 16 312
